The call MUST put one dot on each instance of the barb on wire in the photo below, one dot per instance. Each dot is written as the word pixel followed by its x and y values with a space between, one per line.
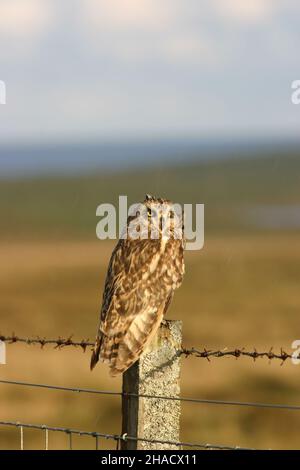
pixel 60 343
pixel 117 437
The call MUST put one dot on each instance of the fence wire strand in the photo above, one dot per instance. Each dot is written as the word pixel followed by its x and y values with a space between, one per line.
pixel 115 437
pixel 58 343
pixel 157 397
pixel 237 353
pixel 240 352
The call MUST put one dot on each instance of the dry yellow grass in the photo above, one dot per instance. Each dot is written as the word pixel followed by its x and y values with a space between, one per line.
pixel 237 292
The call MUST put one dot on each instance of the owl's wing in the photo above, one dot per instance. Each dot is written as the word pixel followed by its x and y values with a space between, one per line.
pixel 137 288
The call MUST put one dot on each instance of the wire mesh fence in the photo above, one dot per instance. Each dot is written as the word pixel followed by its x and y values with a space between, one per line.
pixel 98 436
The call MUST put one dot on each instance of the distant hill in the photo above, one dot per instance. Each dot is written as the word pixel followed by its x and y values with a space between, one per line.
pixel 75 158
pixel 65 206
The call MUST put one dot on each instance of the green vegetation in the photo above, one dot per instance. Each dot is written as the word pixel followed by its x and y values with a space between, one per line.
pixel 65 207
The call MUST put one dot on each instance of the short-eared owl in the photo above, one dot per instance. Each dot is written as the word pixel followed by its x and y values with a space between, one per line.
pixel 143 273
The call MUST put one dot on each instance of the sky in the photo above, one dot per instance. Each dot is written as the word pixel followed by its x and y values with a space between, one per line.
pixel 85 70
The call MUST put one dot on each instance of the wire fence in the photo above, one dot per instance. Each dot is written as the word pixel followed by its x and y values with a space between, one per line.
pixel 156 397
pixel 116 437
pixel 60 343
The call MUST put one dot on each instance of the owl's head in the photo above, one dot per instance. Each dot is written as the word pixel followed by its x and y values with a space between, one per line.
pixel 164 217
pixel 155 218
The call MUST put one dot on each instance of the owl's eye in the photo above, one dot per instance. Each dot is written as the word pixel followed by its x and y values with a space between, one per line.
pixel 152 213
pixel 171 214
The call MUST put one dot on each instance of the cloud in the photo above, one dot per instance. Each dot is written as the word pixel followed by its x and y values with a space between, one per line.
pixel 143 31
pixel 126 14
pixel 19 18
pixel 101 67
pixel 243 11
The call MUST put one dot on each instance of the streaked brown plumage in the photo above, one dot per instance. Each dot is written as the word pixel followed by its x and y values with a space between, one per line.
pixel 141 279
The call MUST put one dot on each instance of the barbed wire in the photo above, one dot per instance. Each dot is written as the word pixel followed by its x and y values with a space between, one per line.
pixel 204 353
pixel 115 437
pixel 58 343
pixel 240 352
pixel 157 397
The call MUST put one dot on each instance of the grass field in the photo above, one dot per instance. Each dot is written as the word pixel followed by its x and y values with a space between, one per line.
pixel 241 290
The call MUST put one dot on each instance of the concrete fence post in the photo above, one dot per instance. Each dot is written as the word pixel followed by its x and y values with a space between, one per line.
pixel 156 373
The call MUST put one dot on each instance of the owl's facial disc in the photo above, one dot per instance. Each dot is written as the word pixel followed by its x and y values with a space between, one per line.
pixel 162 217
pixel 156 218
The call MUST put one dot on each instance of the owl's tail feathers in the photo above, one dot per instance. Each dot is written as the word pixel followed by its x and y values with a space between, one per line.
pixel 96 353
pixel 105 349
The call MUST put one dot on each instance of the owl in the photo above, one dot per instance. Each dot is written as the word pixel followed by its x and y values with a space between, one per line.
pixel 145 269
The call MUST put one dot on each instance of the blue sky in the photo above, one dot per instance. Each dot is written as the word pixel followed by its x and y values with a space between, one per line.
pixel 93 69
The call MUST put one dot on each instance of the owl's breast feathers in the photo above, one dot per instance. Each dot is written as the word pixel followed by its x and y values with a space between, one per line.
pixel 140 283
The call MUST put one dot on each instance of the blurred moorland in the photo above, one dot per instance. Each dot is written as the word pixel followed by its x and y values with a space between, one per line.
pixel 241 290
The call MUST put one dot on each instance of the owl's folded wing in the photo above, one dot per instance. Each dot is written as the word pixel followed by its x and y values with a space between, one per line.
pixel 136 292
